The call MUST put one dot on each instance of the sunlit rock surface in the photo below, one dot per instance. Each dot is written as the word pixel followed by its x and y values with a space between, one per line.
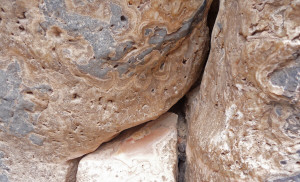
pixel 243 121
pixel 74 73
pixel 144 153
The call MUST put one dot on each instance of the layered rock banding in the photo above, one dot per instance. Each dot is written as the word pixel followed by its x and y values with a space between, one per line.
pixel 73 74
pixel 146 153
pixel 243 121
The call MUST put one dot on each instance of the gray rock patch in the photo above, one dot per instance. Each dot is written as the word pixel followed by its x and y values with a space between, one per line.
pixel 13 108
pixel 102 41
pixel 288 78
pixel 35 139
pixel 292 125
pixel 100 36
pixel 295 178
pixel 3 178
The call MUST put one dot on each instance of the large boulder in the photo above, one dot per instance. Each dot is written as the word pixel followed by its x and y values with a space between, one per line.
pixel 74 73
pixel 144 153
pixel 243 121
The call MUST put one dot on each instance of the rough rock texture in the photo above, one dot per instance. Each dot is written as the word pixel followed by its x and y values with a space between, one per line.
pixel 147 153
pixel 243 121
pixel 74 73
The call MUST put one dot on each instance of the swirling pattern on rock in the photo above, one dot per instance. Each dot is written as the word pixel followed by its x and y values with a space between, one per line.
pixel 244 119
pixel 89 69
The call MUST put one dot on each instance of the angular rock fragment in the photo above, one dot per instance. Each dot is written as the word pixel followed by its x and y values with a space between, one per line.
pixel 144 153
pixel 74 73
pixel 243 121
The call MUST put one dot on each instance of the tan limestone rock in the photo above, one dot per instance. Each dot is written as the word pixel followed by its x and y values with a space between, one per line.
pixel 147 153
pixel 243 121
pixel 74 73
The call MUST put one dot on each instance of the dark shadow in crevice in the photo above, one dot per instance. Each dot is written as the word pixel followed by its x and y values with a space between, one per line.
pixel 211 19
pixel 179 107
pixel 212 15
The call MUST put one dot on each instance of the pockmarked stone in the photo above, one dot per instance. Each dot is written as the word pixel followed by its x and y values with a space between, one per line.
pixel 74 73
pixel 243 121
pixel 147 153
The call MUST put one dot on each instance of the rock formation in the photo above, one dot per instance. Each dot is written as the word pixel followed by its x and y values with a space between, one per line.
pixel 145 153
pixel 74 73
pixel 243 121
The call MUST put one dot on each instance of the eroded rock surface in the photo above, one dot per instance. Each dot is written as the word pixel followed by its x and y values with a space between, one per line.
pixel 144 153
pixel 74 73
pixel 243 121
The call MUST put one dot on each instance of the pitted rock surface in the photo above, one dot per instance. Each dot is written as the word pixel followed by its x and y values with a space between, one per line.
pixel 243 121
pixel 73 74
pixel 145 153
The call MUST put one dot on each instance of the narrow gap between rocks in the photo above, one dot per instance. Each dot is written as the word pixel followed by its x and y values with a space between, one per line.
pixel 179 107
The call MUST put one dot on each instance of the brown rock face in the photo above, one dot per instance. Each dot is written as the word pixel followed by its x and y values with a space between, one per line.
pixel 244 119
pixel 147 153
pixel 74 73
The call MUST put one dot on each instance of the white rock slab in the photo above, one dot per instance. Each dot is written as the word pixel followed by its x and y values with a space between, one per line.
pixel 144 153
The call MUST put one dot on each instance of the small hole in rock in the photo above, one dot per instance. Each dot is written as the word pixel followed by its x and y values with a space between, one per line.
pixel 29 92
pixel 162 66
pixel 115 66
pixel 22 15
pixel 283 162
pixel 21 28
pixel 184 61
pixel 74 96
pixel 123 18
pixel 57 32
